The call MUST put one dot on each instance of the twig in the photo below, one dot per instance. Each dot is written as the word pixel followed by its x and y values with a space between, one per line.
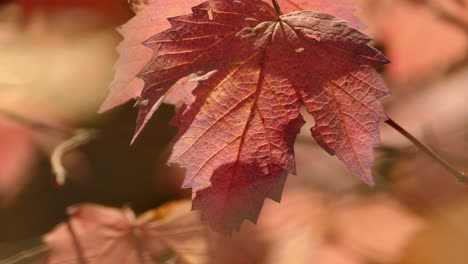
pixel 26 254
pixel 76 243
pixel 458 174
pixel 36 125
pixel 447 16
pixel 277 7
pixel 80 137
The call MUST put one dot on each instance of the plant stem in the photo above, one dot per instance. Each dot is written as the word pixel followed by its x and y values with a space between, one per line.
pixel 24 255
pixel 36 125
pixel 458 174
pixel 277 7
pixel 76 243
pixel 77 138
pixel 80 138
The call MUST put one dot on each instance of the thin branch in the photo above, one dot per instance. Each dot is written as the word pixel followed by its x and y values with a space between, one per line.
pixel 26 254
pixel 76 243
pixel 277 7
pixel 80 138
pixel 447 16
pixel 36 125
pixel 458 174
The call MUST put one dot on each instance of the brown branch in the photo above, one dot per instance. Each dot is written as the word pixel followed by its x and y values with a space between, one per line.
pixel 447 16
pixel 458 174
pixel 277 7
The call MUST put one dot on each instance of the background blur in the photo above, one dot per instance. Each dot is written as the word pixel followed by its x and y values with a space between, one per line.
pixel 56 63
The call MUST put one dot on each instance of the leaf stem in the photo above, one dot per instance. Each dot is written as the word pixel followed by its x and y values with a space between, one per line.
pixel 458 174
pixel 76 243
pixel 277 7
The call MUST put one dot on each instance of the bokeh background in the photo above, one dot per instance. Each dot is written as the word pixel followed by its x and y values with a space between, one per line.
pixel 56 64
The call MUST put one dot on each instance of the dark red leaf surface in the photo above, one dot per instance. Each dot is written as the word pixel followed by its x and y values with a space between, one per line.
pixel 236 138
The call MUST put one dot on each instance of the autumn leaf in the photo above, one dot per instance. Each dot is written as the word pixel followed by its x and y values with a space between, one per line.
pixel 343 9
pixel 236 139
pixel 17 158
pixel 112 235
pixel 150 19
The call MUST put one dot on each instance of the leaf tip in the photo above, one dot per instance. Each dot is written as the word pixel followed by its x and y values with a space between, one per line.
pixel 369 180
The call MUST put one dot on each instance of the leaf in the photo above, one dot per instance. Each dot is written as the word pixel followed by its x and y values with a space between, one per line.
pixel 181 92
pixel 111 235
pixel 17 158
pixel 236 139
pixel 344 9
pixel 150 19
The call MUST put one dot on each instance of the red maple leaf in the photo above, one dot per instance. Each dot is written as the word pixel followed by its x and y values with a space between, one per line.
pixel 236 138
pixel 344 9
pixel 151 18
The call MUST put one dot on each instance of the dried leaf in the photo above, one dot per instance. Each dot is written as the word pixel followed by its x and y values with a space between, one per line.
pixel 111 235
